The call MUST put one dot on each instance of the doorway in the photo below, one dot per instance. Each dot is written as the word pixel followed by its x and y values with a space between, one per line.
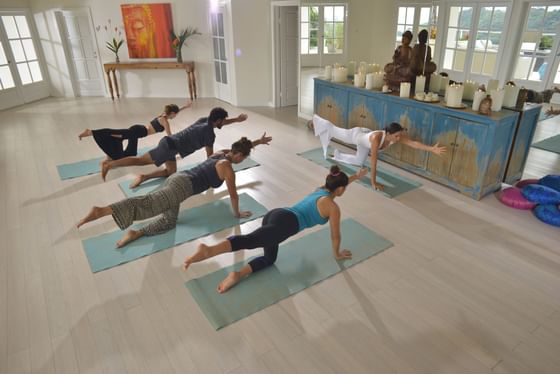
pixel 220 24
pixel 22 73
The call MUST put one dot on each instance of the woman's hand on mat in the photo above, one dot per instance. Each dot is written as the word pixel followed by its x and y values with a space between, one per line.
pixel 378 186
pixel 244 214
pixel 345 254
pixel 361 173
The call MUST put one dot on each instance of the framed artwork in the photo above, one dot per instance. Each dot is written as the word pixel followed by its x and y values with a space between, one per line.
pixel 148 30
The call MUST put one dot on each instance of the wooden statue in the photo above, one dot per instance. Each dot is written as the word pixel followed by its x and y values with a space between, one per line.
pixel 398 70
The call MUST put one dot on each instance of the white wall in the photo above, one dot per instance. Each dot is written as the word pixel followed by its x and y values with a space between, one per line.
pixel 134 83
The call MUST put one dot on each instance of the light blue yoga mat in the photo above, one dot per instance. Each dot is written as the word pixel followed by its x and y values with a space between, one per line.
pixel 192 223
pixel 300 264
pixel 86 167
pixel 395 184
pixel 550 144
pixel 154 184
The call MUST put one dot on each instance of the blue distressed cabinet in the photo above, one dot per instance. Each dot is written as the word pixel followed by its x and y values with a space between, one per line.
pixel 479 148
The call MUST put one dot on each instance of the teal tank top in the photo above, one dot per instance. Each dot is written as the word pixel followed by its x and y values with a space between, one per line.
pixel 306 210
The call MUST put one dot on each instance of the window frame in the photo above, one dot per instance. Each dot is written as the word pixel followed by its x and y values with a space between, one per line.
pixel 415 26
pixel 321 30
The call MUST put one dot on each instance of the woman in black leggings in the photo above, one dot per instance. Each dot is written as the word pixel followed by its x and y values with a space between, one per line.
pixel 279 224
pixel 111 140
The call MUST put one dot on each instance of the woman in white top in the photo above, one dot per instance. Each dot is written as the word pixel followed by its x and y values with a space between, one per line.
pixel 366 140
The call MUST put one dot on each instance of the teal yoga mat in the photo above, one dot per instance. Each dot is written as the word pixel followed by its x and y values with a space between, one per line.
pixel 154 184
pixel 395 184
pixel 301 263
pixel 192 223
pixel 85 167
pixel 550 144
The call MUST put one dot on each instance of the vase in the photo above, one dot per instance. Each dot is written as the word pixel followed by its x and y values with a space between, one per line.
pixel 117 59
pixel 179 55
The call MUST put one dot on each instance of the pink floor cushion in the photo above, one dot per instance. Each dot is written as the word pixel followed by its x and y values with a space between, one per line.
pixel 511 196
pixel 526 182
pixel 548 214
pixel 552 181
pixel 540 194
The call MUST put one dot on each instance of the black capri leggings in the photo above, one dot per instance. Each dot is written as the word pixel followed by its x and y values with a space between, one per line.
pixel 277 225
pixel 111 140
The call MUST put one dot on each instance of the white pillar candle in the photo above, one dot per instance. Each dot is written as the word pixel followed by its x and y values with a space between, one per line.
pixel 336 65
pixel 492 85
pixel 497 99
pixel 359 80
pixel 328 72
pixel 469 89
pixel 455 95
pixel 376 68
pixel 362 69
pixel 405 89
pixel 351 68
pixel 378 79
pixel 444 82
pixel 477 98
pixel 510 95
pixel 340 74
pixel 420 83
pixel 369 81
pixel 435 83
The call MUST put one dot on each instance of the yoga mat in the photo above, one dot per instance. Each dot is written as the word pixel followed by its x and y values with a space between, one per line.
pixel 86 167
pixel 550 144
pixel 301 263
pixel 395 184
pixel 192 223
pixel 154 184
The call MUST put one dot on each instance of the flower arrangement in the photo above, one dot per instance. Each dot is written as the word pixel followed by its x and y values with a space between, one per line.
pixel 178 40
pixel 115 38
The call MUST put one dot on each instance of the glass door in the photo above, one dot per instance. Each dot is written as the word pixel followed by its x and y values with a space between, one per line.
pixel 221 73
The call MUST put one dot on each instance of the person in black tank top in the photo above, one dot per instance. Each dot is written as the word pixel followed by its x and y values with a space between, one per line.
pixel 180 186
pixel 111 140
pixel 198 135
pixel 281 223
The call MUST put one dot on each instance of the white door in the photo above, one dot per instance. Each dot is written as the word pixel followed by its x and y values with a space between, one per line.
pixel 22 77
pixel 288 55
pixel 222 84
pixel 87 75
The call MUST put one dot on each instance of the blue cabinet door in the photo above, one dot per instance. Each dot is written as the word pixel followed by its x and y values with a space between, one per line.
pixel 445 133
pixel 331 104
pixel 418 125
pixel 522 142
pixel 365 112
pixel 468 160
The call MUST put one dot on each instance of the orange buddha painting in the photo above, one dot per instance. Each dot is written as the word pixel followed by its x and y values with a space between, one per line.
pixel 148 30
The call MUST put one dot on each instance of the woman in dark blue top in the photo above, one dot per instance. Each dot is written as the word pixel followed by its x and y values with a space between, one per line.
pixel 180 186
pixel 111 140
pixel 279 224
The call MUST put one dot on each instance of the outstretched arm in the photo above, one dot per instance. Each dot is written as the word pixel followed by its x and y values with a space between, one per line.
pixel 359 175
pixel 435 149
pixel 334 220
pixel 229 177
pixel 188 104
pixel 240 118
pixel 262 140
pixel 165 123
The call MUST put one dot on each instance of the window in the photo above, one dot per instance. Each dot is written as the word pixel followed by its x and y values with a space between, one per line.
pixel 25 57
pixel 473 40
pixel 322 25
pixel 535 52
pixel 415 19
pixel 6 79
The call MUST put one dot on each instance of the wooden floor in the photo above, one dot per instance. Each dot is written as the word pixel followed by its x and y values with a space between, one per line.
pixel 469 286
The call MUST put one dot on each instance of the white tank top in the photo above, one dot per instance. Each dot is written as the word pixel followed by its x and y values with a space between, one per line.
pixel 365 139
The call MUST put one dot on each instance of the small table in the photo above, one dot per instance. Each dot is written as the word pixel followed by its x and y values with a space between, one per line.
pixel 112 67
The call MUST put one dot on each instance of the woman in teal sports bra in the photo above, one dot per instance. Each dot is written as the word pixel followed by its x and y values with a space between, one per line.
pixel 279 224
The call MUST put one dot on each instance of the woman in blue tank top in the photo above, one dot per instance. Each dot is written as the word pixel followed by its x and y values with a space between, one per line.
pixel 279 224
pixel 111 140
pixel 213 172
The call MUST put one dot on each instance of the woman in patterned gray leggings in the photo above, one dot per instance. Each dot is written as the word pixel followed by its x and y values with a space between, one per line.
pixel 180 186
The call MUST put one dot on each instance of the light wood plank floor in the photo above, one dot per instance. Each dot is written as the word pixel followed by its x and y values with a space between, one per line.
pixel 469 286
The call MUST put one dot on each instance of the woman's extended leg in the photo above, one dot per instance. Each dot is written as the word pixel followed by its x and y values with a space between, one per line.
pixel 85 133
pixel 326 130
pixel 170 169
pixel 145 159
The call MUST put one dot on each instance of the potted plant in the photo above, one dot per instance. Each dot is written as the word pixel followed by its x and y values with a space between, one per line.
pixel 178 40
pixel 115 38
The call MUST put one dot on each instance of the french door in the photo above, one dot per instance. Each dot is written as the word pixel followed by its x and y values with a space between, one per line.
pixel 222 83
pixel 22 76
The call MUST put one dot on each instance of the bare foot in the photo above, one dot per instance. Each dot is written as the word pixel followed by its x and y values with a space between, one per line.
pixel 105 166
pixel 86 132
pixel 200 254
pixel 130 236
pixel 137 181
pixel 231 280
pixel 94 213
pixel 310 126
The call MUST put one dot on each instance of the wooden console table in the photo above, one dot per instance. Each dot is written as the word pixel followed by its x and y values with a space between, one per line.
pixel 110 68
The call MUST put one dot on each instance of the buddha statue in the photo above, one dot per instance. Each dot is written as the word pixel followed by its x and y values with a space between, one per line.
pixel 421 58
pixel 398 70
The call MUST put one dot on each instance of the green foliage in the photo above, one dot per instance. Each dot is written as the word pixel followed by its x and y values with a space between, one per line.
pixel 178 40
pixel 546 42
pixel 114 45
